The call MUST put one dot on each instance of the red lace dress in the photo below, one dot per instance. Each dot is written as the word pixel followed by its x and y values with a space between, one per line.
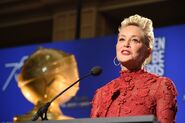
pixel 136 93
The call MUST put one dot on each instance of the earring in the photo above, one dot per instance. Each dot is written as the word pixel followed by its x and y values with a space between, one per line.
pixel 114 61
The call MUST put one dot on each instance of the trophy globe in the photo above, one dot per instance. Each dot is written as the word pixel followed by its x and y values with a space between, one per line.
pixel 45 74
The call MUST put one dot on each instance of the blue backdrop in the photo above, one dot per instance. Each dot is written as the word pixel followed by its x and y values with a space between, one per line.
pixel 169 61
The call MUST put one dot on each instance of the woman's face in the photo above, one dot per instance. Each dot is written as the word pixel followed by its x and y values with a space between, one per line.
pixel 130 48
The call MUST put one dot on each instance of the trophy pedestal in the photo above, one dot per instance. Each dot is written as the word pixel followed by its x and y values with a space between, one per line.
pixel 54 113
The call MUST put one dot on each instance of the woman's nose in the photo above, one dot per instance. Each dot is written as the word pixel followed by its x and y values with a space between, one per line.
pixel 126 44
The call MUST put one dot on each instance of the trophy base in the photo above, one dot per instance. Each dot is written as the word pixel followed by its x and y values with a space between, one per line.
pixel 29 116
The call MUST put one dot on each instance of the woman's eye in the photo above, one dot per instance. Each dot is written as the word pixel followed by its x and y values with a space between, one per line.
pixel 121 39
pixel 136 40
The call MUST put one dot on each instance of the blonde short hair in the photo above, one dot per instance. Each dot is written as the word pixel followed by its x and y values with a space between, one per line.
pixel 146 25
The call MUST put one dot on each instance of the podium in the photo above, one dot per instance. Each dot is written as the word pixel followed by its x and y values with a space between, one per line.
pixel 130 119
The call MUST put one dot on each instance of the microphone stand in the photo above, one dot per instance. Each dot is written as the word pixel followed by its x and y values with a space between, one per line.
pixel 42 112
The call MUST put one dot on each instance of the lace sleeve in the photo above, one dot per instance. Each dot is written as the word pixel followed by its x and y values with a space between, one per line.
pixel 95 104
pixel 166 101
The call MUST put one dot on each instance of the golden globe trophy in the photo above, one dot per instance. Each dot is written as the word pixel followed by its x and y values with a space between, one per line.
pixel 44 74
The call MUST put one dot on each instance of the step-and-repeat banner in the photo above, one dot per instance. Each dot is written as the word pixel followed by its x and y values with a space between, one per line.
pixel 168 60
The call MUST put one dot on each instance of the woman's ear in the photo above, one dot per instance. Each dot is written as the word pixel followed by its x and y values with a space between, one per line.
pixel 149 52
pixel 148 57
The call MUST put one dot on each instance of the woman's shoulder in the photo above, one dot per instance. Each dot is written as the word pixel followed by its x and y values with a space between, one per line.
pixel 164 84
pixel 167 85
pixel 163 80
pixel 159 79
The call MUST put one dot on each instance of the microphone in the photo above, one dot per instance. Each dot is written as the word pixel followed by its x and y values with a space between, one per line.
pixel 95 71
pixel 42 112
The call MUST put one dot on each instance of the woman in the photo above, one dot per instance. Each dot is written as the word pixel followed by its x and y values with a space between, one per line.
pixel 136 92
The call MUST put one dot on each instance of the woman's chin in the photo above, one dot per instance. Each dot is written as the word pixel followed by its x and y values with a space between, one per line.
pixel 126 61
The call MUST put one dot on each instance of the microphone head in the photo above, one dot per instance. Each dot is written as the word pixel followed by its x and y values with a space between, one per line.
pixel 95 71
